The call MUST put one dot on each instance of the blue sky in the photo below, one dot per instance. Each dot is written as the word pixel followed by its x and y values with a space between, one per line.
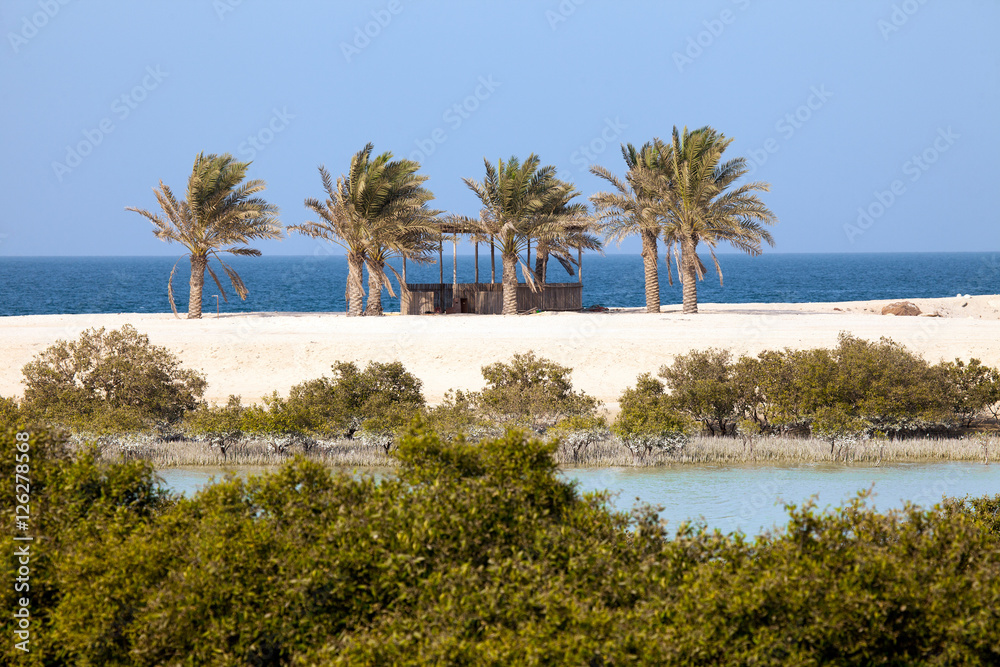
pixel 875 121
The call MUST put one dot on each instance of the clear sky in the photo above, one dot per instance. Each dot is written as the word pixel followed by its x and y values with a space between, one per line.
pixel 875 121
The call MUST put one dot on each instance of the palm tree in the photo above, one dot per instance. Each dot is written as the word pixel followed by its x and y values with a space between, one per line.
pixel 572 232
pixel 517 199
pixel 694 204
pixel 364 210
pixel 627 211
pixel 220 210
pixel 413 239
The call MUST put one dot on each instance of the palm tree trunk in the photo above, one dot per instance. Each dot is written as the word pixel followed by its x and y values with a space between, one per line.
pixel 649 264
pixel 198 264
pixel 509 284
pixel 355 288
pixel 374 307
pixel 541 261
pixel 689 277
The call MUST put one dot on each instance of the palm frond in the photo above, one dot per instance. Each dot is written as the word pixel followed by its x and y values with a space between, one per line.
pixel 208 267
pixel 170 286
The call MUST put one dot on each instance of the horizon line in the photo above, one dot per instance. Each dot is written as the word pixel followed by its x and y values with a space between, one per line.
pixel 590 254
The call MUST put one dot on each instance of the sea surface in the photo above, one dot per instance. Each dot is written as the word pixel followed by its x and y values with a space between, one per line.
pixel 51 285
pixel 748 498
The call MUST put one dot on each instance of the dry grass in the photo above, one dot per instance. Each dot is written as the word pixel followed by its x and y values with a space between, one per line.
pixel 777 449
pixel 605 453
pixel 244 452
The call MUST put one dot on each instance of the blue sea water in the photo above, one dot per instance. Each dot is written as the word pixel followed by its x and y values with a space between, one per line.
pixel 47 285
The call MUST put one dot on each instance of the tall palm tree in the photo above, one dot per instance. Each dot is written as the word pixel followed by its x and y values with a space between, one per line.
pixel 572 231
pixel 517 201
pixel 364 209
pixel 413 239
pixel 696 202
pixel 220 210
pixel 627 211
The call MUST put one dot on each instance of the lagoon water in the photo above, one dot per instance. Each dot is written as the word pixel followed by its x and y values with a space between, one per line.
pixel 748 498
pixel 50 285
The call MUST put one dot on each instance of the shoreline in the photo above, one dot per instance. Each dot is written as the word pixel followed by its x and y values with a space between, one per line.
pixel 253 354
pixel 700 450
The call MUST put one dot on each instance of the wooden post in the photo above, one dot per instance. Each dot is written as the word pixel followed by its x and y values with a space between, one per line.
pixel 476 244
pixel 404 270
pixel 493 263
pixel 454 259
pixel 579 264
pixel 441 258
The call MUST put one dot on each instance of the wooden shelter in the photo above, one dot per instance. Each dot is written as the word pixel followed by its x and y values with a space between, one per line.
pixel 484 298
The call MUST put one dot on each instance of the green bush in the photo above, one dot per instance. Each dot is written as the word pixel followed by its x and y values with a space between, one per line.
pixel 272 418
pixel 10 412
pixel 858 387
pixel 456 415
pixel 531 391
pixel 476 554
pixel 109 381
pixel 216 419
pixel 975 389
pixel 378 402
pixel 703 385
pixel 649 421
pixel 886 384
pixel 382 398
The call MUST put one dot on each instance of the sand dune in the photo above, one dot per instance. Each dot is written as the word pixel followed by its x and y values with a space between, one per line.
pixel 254 354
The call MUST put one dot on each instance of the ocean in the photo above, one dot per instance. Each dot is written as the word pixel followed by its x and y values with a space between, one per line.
pixel 51 285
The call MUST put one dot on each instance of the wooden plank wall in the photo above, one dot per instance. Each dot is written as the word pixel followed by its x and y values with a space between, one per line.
pixel 487 298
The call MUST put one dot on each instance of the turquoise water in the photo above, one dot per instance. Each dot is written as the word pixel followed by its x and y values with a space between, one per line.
pixel 46 285
pixel 749 498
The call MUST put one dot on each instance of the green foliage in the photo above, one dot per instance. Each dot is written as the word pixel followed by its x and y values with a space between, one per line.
pixel 986 511
pixel 378 402
pixel 228 418
pixel 10 412
pixel 858 387
pixel 455 415
pixel 531 391
pixel 648 421
pixel 975 388
pixel 477 554
pixel 273 418
pixel 74 501
pixel 383 397
pixel 838 426
pixel 702 384
pixel 109 381
pixel 885 383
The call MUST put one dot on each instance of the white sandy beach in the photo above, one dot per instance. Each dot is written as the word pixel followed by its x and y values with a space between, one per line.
pixel 254 354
